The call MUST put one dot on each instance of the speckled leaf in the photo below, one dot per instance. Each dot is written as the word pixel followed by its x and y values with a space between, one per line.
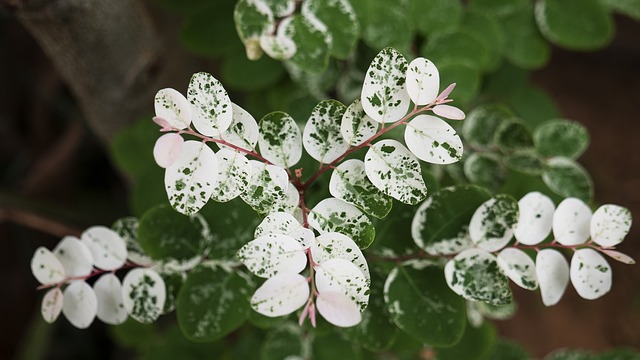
pixel 279 140
pixel 212 303
pixel 590 274
pixel 357 126
pixel 108 249
pixel 312 40
pixel 266 190
pixel 127 228
pixel 167 149
pixel 349 182
pixel 280 8
pixel 535 218
pixel 552 270
pixel 423 81
pixel 171 106
pixel 513 135
pixel 566 178
pixel 384 95
pixel 46 267
pixel 491 226
pixel 143 294
pixel 233 173
pixel 618 256
pixel 610 224
pixel 525 161
pixel 334 245
pixel 80 304
pixel 210 103
pixel 561 138
pixel 481 123
pixel 474 274
pixel 485 169
pixel 52 305
pixel 272 254
pixel 333 214
pixel 279 46
pixel 345 277
pixel 338 309
pixel 253 18
pixel 281 295
pixel 432 140
pixel 420 303
pixel 108 291
pixel 74 256
pixel 571 222
pixel 392 168
pixel 322 138
pixel 285 224
pixel 518 267
pixel 341 22
pixel 243 131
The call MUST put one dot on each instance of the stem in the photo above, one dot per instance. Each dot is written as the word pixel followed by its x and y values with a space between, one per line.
pixel 94 273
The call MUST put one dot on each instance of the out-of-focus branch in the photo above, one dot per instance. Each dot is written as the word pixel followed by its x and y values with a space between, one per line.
pixel 37 222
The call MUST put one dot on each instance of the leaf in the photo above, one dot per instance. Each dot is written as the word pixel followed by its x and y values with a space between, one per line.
pixel 498 8
pixel 52 305
pixel 533 105
pixel 395 171
pixel 167 149
pixel 623 258
pixel 349 182
pixel 279 139
pixel 575 24
pixel 467 79
pixel 535 218
pixel 432 16
pixel 356 126
pixel 333 245
pixel 341 22
pixel 420 303
pixel 440 223
pixel 482 122
pixel 552 270
pixel 561 138
pixel 343 276
pixel 525 47
pixel 334 215
pixel 243 131
pixel 108 249
pixel 432 140
pixel 74 256
pixel 384 96
pixel 189 180
pixel 423 81
pixel 267 189
pixel 566 178
pixel 476 343
pixel 279 46
pixel 281 294
pixel 272 254
pixel 518 267
pixel 46 267
pixel 485 169
pixel 80 304
pixel 513 135
pixel 253 19
pixel 233 172
pixel 210 103
pixel 458 46
pixel 491 226
pixel 322 138
pixel 240 73
pixel 448 112
pixel 143 294
pixel 571 222
pixel 487 28
pixel 590 274
pixel 525 161
pixel 629 8
pixel 285 224
pixel 313 42
pixel 173 107
pixel 284 342
pixel 610 224
pixel 212 303
pixel 207 28
pixel 127 228
pixel 474 274
pixel 338 309
pixel 108 291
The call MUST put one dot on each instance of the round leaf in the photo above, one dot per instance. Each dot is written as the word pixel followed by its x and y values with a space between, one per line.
pixel 341 22
pixel 312 40
pixel 74 256
pixel 334 215
pixel 109 250
pixel 423 81
pixel 285 224
pixel 561 138
pixel 167 149
pixel 211 105
pixel 610 224
pixel 243 131
pixel 111 308
pixel 127 228
pixel 322 138
pixel 518 267
pixel 384 96
pixel 338 309
pixel 485 169
pixel 344 277
pixel 46 267
pixel 590 274
pixel 233 173
pixel 334 245
pixel 535 218
pixel 80 304
pixel 279 139
pixel 571 222
pixel 171 106
pixel 491 226
pixel 143 294
pixel 433 140
pixel 356 126
pixel 272 254
pixel 281 295
pixel 566 178
pixel 552 270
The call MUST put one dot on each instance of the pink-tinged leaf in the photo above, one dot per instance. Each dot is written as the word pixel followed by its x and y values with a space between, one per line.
pixel 80 304
pixel 552 271
pixel 52 305
pixel 338 309
pixel 616 255
pixel 281 295
pixel 164 124
pixel 445 93
pixel 46 267
pixel 167 149
pixel 173 107
pixel 449 112
pixel 75 256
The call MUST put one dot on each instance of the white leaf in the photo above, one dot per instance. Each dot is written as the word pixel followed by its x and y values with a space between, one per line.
pixel 279 46
pixel 189 180
pixel 535 219
pixel 610 224
pixel 395 171
pixel 108 291
pixel 74 256
pixel 338 309
pixel 285 224
pixel 335 215
pixel 279 139
pixel 233 175
pixel 143 294
pixel 167 149
pixel 518 267
pixel 212 112
pixel 344 277
pixel 322 138
pixel 423 81
pixel 52 305
pixel 448 112
pixel 333 245
pixel 491 226
pixel 46 267
pixel 272 254
pixel 108 249
pixel 356 126
pixel 80 304
pixel 552 270
pixel 173 107
pixel 571 222
pixel 623 258
pixel 384 96
pixel 127 228
pixel 281 295
pixel 243 131
pixel 432 140
pixel 590 274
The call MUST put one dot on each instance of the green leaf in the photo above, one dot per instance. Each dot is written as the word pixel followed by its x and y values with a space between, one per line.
pixel 443 218
pixel 482 122
pixel 420 303
pixel 322 138
pixel 172 283
pixel 561 138
pixel 336 215
pixel 630 8
pixel 384 23
pixel 393 234
pixel 532 105
pixel 285 342
pixel 212 302
pixel 334 346
pixel 525 47
pixel 148 191
pixel 210 30
pixel 280 140
pixel 243 74
pixel 476 344
pixel 467 80
pixel 253 19
pixel 165 234
pixel 171 344
pixel 341 22
pixel 509 350
pixel 525 161
pixel 485 169
pixel 312 42
pixel 498 8
pixel 568 179
pixel 491 226
pixel 430 16
pixel 131 148
pixel 575 24
pixel 486 28
pixel 512 135
pixel 460 47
